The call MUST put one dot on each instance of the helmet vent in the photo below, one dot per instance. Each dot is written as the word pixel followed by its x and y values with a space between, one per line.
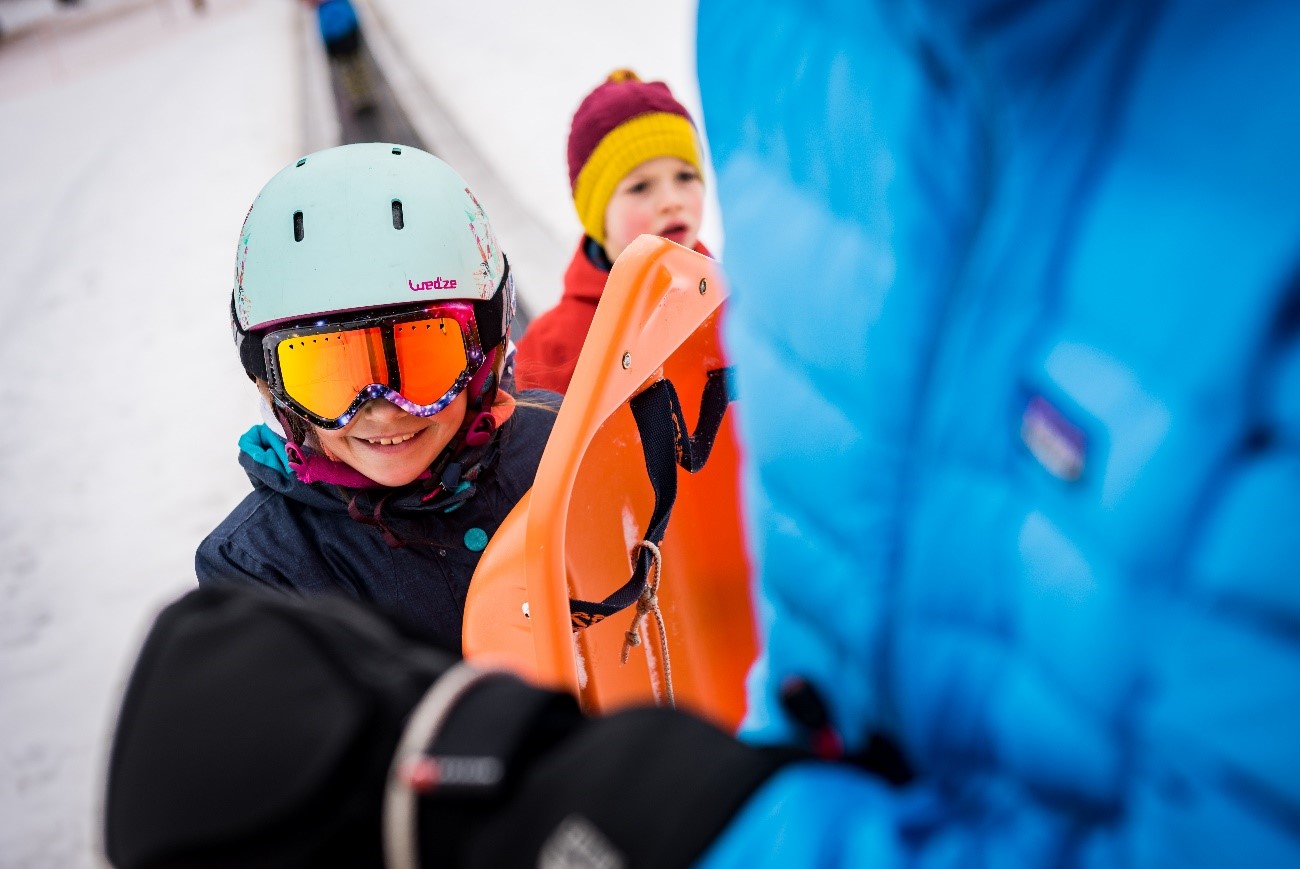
pixel 297 226
pixel 300 162
pixel 398 219
pixel 397 151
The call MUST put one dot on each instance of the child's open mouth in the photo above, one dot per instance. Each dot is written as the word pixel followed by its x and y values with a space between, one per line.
pixel 391 443
pixel 675 233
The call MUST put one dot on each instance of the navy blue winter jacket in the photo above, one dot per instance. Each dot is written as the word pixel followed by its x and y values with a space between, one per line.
pixel 300 538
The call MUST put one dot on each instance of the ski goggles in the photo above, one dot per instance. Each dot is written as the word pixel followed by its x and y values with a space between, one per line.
pixel 420 360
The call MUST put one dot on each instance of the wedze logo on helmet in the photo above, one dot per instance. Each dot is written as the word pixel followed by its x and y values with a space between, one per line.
pixel 438 283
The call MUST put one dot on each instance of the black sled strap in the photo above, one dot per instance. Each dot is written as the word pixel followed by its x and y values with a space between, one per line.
pixel 666 444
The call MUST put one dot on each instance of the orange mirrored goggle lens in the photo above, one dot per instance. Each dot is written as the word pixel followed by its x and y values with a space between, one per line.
pixel 430 357
pixel 325 372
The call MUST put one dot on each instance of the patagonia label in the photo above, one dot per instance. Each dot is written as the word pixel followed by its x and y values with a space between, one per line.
pixel 1059 445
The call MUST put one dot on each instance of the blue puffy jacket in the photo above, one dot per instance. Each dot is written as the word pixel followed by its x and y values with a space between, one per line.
pixel 1016 315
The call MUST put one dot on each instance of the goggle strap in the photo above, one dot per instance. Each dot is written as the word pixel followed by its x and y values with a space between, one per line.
pixel 478 386
pixel 489 314
pixel 250 347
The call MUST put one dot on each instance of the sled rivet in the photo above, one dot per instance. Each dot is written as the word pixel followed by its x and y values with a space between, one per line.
pixel 627 360
pixel 704 286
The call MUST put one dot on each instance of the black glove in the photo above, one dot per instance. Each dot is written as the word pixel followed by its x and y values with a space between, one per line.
pixel 261 730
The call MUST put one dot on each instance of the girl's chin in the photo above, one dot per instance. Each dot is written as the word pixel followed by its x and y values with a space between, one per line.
pixel 396 482
pixel 392 477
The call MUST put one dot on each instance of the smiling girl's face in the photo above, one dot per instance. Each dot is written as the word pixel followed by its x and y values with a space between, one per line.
pixel 389 445
pixel 663 196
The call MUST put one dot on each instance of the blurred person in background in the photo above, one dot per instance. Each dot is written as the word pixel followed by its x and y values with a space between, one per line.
pixel 341 32
pixel 634 168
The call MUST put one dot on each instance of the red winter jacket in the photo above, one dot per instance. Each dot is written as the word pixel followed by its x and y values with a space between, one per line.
pixel 548 352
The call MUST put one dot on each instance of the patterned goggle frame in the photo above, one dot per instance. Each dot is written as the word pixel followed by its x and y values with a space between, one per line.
pixel 419 360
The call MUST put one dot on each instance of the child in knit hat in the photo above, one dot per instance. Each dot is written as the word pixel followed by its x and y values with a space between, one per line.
pixel 634 167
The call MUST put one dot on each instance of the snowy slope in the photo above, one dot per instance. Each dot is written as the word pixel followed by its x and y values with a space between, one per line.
pixel 133 136
pixel 132 144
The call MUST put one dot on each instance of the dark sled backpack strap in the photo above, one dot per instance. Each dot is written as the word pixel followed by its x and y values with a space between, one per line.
pixel 666 444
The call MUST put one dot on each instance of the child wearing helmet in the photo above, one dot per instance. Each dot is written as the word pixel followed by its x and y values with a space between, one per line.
pixel 634 168
pixel 372 308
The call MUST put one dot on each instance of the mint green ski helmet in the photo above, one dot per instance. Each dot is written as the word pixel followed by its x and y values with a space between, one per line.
pixel 363 226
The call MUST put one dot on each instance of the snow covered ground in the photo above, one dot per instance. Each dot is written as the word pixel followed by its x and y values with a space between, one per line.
pixel 133 136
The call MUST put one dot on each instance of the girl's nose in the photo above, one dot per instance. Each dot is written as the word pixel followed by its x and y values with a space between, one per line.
pixel 381 408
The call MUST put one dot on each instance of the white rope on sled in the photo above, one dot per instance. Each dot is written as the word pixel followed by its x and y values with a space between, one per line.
pixel 648 602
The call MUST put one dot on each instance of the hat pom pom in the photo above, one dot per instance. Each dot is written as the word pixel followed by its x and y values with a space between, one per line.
pixel 622 75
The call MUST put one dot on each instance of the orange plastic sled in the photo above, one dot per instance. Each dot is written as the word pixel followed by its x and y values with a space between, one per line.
pixel 576 533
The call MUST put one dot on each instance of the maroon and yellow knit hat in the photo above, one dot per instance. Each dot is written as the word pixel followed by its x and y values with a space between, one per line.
pixel 620 125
